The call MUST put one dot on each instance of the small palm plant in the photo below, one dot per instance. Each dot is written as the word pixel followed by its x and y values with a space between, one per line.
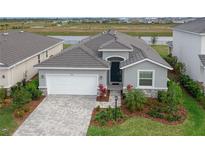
pixel 135 100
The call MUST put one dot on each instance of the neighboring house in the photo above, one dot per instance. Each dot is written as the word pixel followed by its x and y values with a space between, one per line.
pixel 189 47
pixel 110 58
pixel 20 51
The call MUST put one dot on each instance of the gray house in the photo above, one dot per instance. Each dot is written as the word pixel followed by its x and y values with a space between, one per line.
pixel 110 58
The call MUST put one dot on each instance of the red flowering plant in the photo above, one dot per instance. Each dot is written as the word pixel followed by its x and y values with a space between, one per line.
pixel 129 87
pixel 103 90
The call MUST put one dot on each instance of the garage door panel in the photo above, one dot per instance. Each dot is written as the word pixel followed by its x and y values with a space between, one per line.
pixel 72 84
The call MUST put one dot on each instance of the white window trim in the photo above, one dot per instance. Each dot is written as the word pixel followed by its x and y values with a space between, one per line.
pixel 153 79
pixel 113 56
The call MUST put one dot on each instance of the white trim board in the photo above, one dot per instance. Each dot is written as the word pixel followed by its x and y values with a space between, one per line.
pixel 146 59
pixel 71 68
pixel 73 75
pixel 113 56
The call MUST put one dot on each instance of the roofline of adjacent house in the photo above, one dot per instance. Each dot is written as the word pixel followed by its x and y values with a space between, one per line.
pixel 71 68
pixel 9 67
pixel 186 31
pixel 147 59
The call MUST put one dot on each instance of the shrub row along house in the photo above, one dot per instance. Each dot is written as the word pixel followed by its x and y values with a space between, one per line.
pixel 20 51
pixel 110 58
pixel 189 47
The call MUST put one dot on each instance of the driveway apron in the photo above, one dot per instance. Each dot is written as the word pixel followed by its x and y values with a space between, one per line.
pixel 59 115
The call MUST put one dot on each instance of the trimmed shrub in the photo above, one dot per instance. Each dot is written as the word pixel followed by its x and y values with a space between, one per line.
pixel 172 118
pixel 178 66
pixel 162 96
pixel 155 113
pixel 172 60
pixel 174 96
pixel 108 114
pixel 20 97
pixel 192 87
pixel 2 95
pixel 32 88
pixel 135 100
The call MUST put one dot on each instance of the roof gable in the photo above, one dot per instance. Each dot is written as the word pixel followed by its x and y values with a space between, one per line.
pixel 115 45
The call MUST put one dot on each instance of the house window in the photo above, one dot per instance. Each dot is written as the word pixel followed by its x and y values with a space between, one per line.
pixel 39 58
pixel 145 78
pixel 46 54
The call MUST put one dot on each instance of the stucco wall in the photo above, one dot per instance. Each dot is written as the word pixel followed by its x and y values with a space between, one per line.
pixel 130 75
pixel 17 73
pixel 187 47
pixel 123 54
pixel 42 75
pixel 4 82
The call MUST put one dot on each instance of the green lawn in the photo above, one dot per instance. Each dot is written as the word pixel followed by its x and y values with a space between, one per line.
pixel 163 50
pixel 66 46
pixel 136 126
pixel 7 121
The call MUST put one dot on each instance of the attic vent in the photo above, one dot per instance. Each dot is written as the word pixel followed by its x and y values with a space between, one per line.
pixel 5 34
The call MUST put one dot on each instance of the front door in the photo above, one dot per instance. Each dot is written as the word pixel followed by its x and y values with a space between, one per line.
pixel 116 73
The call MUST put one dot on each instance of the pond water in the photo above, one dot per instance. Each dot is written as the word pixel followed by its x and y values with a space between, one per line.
pixel 161 40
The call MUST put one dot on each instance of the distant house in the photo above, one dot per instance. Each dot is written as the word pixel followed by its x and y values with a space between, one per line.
pixel 189 47
pixel 20 51
pixel 111 58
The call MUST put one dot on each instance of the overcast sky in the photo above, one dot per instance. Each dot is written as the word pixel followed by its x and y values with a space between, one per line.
pixel 102 8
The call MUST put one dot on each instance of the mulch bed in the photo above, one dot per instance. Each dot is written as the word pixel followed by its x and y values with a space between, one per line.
pixel 31 106
pixel 109 123
pixel 151 103
pixel 102 98
pixel 143 113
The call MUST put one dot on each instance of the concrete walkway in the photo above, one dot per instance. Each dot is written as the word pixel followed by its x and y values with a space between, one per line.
pixel 59 115
pixel 111 102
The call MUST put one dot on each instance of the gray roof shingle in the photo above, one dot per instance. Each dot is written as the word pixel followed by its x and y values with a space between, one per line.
pixel 115 44
pixel 202 59
pixel 75 57
pixel 17 46
pixel 86 53
pixel 196 26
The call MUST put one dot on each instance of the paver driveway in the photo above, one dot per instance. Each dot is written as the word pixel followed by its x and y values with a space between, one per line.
pixel 59 115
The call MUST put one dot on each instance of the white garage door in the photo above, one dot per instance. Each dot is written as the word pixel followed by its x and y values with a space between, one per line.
pixel 72 84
